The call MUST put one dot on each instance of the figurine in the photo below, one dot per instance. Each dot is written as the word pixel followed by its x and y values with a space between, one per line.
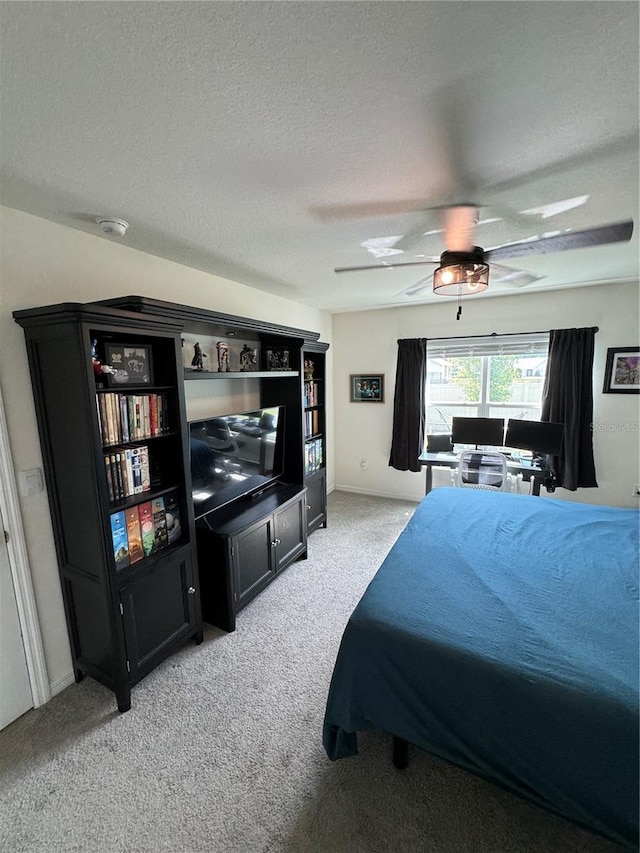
pixel 308 369
pixel 99 368
pixel 247 357
pixel 197 362
pixel 223 357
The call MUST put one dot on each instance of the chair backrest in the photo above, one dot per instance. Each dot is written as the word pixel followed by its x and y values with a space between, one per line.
pixel 482 469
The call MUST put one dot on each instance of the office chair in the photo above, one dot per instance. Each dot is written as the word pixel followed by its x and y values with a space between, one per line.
pixel 482 469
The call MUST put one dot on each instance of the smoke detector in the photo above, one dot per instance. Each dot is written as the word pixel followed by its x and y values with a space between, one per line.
pixel 113 227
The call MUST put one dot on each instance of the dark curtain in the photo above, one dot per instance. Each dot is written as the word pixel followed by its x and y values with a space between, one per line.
pixel 567 398
pixel 407 439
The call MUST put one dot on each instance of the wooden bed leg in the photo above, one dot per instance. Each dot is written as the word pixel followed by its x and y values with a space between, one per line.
pixel 400 753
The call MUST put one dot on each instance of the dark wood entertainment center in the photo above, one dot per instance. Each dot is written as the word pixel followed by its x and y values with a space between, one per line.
pixel 127 609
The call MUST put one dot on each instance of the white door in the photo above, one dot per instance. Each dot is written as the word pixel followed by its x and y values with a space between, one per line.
pixel 15 691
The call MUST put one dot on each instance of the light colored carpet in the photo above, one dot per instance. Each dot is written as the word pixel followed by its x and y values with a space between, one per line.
pixel 221 751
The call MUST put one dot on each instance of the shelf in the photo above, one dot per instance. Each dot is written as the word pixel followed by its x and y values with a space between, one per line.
pixel 137 390
pixel 313 437
pixel 311 408
pixel 140 497
pixel 146 564
pixel 249 374
pixel 134 442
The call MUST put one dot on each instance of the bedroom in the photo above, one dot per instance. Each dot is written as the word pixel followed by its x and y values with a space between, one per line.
pixel 46 261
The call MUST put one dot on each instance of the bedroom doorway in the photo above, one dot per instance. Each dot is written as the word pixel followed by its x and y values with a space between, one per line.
pixel 21 649
pixel 15 689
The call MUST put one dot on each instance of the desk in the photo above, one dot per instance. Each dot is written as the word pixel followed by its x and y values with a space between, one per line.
pixel 527 468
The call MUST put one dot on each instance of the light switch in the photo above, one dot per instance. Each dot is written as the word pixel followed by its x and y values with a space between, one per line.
pixel 30 482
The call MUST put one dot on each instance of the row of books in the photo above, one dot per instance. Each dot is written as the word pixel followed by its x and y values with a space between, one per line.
pixel 311 394
pixel 311 423
pixel 313 456
pixel 130 417
pixel 145 529
pixel 127 470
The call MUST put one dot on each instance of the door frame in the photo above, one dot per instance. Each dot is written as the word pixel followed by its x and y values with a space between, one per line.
pixel 21 572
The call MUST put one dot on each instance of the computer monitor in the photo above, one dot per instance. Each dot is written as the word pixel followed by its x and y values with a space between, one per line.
pixel 538 436
pixel 439 443
pixel 486 431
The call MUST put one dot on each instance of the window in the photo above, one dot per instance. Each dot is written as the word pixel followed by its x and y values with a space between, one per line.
pixel 493 377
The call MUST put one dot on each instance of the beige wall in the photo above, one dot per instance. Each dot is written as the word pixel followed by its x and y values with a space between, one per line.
pixel 42 263
pixel 366 342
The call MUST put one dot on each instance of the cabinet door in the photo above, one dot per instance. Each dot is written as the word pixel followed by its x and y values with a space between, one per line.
pixel 316 501
pixel 290 532
pixel 158 610
pixel 252 561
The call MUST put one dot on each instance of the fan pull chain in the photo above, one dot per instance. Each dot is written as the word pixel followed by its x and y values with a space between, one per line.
pixel 459 314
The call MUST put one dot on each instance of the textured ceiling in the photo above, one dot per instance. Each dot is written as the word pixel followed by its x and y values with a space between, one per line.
pixel 233 135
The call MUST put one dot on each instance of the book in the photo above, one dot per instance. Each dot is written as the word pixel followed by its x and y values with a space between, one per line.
pixel 116 476
pixel 159 523
pixel 172 510
pixel 124 417
pixel 127 470
pixel 107 465
pixel 145 474
pixel 120 539
pixel 145 513
pixel 134 535
pixel 136 469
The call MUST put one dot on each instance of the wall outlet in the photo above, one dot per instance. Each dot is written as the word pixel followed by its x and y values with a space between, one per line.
pixel 30 482
pixel 364 463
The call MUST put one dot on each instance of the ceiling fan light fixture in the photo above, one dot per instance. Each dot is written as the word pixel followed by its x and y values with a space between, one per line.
pixel 461 273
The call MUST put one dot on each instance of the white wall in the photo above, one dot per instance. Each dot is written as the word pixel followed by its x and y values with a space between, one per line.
pixel 42 263
pixel 366 342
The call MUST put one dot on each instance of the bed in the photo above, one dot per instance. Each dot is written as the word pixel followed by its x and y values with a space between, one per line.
pixel 501 634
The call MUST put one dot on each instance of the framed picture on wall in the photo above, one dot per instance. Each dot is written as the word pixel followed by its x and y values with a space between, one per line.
pixel 367 387
pixel 622 371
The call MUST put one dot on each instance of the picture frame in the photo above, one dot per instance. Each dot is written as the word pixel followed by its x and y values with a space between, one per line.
pixel 131 362
pixel 366 387
pixel 277 359
pixel 622 371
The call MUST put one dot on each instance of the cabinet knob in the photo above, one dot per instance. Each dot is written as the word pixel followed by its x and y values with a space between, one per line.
pixel 308 506
pixel 275 542
pixel 191 590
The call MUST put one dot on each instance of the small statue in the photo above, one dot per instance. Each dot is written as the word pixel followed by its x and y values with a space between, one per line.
pixel 197 362
pixel 223 357
pixel 99 368
pixel 247 358
pixel 308 369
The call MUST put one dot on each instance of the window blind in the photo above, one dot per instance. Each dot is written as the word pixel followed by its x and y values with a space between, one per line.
pixel 534 343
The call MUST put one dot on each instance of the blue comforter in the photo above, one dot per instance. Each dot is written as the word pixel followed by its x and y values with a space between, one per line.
pixel 501 633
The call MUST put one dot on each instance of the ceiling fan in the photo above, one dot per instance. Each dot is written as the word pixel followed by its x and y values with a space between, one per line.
pixel 463 268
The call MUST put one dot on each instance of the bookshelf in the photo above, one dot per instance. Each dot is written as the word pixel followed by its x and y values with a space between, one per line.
pixel 116 461
pixel 115 451
pixel 314 430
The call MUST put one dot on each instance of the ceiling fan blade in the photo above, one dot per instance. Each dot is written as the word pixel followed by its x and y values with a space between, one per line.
pixel 615 233
pixel 460 222
pixel 507 275
pixel 388 266
pixel 627 144
pixel 367 210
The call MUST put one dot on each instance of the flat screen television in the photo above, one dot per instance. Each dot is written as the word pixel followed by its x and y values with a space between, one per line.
pixel 538 436
pixel 235 455
pixel 486 431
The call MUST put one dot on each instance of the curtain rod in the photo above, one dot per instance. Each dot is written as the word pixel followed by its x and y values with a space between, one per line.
pixel 497 335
